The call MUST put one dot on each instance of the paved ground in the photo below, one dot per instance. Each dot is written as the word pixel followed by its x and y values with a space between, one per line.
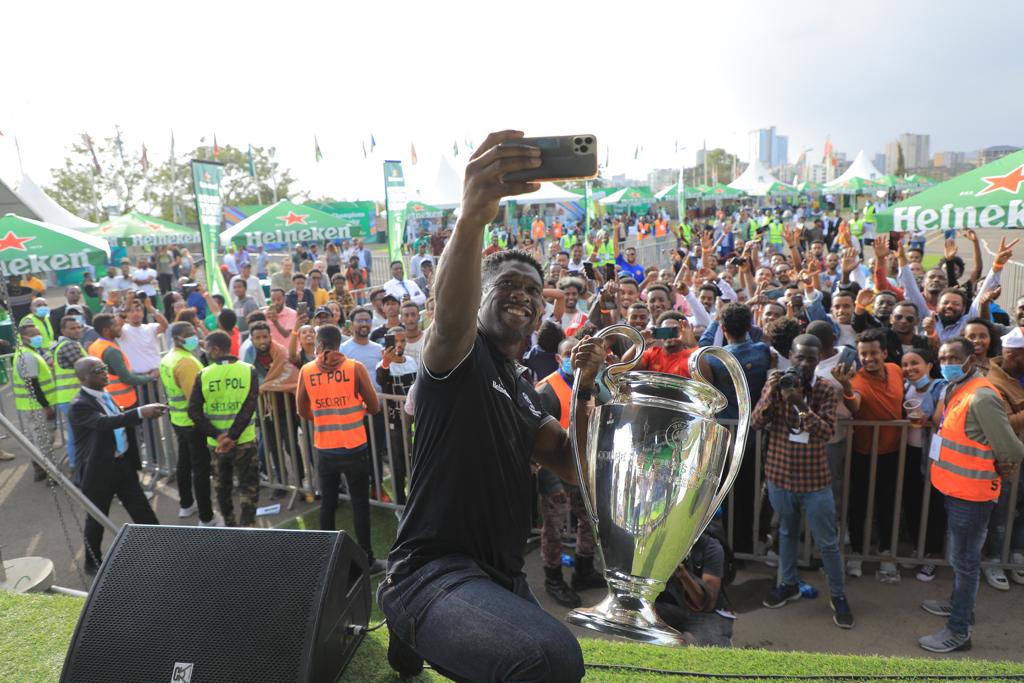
pixel 889 619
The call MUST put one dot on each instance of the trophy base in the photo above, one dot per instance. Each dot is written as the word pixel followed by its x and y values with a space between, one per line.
pixel 628 617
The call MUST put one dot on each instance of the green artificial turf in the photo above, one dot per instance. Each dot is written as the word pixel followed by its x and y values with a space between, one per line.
pixel 35 631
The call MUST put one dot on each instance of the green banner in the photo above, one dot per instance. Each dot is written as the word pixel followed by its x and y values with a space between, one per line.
pixel 394 202
pixel 589 209
pixel 360 215
pixel 206 177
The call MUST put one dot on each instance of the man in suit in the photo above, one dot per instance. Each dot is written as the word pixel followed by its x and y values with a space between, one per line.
pixel 101 441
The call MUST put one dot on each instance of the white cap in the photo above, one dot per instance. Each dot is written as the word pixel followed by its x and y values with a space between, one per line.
pixel 1014 340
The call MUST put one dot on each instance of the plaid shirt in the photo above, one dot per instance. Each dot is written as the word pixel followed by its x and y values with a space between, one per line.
pixel 69 353
pixel 794 466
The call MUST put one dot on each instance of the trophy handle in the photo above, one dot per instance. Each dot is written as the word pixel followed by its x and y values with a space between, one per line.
pixel 610 376
pixel 739 381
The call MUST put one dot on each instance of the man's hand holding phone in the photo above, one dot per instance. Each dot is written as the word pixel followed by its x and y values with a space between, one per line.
pixel 484 186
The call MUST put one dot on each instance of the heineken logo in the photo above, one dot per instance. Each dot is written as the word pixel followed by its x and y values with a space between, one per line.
pixel 308 234
pixel 12 241
pixel 43 263
pixel 907 218
pixel 1010 182
pixel 294 218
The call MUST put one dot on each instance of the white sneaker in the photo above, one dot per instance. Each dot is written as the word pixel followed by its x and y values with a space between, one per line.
pixel 926 573
pixel 216 521
pixel 854 567
pixel 996 577
pixel 1017 575
pixel 771 558
pixel 189 511
pixel 888 573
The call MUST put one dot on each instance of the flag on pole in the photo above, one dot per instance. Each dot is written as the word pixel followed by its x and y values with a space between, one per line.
pixel 145 159
pixel 827 156
pixel 415 159
pixel 216 148
pixel 373 143
pixel 607 151
pixel 117 141
pixel 252 163
pixel 364 149
pixel 455 148
pixel 316 150
pixel 92 152
pixel 636 152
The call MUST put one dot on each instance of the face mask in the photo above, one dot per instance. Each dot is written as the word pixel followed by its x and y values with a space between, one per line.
pixel 567 366
pixel 42 311
pixel 191 343
pixel 952 372
pixel 36 342
pixel 924 381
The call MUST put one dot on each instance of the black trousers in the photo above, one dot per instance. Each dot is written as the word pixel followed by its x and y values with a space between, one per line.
pixel 913 500
pixel 355 467
pixel 123 482
pixel 745 499
pixel 165 282
pixel 885 499
pixel 194 470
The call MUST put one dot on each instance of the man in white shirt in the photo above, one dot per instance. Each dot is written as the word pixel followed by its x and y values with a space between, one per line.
pixel 229 261
pixel 112 282
pixel 253 288
pixel 145 278
pixel 419 258
pixel 140 341
pixel 402 289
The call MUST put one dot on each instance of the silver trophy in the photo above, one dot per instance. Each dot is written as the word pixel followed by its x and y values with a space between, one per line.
pixel 651 480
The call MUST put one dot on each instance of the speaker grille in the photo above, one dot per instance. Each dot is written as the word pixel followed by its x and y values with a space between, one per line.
pixel 234 579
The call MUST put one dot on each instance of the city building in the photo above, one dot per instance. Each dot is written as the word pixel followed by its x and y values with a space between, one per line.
pixel 879 162
pixel 916 152
pixel 892 158
pixel 990 154
pixel 949 159
pixel 771 148
pixel 660 178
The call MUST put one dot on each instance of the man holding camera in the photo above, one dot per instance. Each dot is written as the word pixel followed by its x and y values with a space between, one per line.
pixel 799 413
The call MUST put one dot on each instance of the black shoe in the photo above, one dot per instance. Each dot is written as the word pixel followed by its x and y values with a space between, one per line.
pixel 90 569
pixel 402 658
pixel 557 588
pixel 583 576
pixel 782 594
pixel 39 474
pixel 842 616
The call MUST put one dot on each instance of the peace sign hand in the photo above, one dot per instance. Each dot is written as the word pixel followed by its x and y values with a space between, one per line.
pixel 1005 251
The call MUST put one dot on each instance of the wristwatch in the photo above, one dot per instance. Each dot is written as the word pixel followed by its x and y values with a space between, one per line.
pixel 802 414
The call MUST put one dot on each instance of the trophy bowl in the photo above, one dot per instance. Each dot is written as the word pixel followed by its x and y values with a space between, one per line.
pixel 651 480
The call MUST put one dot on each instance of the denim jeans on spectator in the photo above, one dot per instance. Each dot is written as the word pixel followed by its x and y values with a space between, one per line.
pixel 997 524
pixel 451 613
pixel 820 507
pixel 333 464
pixel 967 522
pixel 69 437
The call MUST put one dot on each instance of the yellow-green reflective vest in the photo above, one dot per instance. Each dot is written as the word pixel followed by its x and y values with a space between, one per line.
pixel 605 254
pixel 686 230
pixel 857 227
pixel 24 397
pixel 66 382
pixel 775 233
pixel 43 325
pixel 225 387
pixel 869 213
pixel 568 241
pixel 176 398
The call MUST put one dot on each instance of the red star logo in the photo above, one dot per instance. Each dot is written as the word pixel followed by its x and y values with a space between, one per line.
pixel 1010 182
pixel 293 218
pixel 12 241
pixel 417 207
pixel 153 226
pixel 206 177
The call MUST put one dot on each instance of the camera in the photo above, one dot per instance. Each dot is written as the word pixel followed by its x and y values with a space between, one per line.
pixel 791 379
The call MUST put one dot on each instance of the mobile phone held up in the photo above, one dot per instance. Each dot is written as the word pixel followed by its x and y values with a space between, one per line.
pixel 562 157
pixel 588 270
pixel 302 308
pixel 389 341
pixel 665 332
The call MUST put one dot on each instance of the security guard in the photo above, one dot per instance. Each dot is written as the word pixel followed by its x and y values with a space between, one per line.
pixel 40 316
pixel 334 393
pixel 34 389
pixel 67 351
pixel 557 498
pixel 857 226
pixel 222 407
pixel 178 372
pixel 974 449
pixel 605 250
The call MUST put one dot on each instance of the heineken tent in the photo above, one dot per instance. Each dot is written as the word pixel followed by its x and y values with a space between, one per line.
pixel 31 246
pixel 30 201
pixel 421 210
pixel 756 180
pixel 861 169
pixel 287 223
pixel 781 190
pixel 549 193
pixel 139 230
pixel 991 196
pixel 669 193
pixel 890 180
pixel 629 196
pixel 721 191
pixel 809 187
pixel 361 215
pixel 855 186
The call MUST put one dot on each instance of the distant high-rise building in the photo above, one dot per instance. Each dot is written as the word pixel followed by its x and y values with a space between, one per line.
pixel 916 152
pixel 817 173
pixel 892 157
pixel 949 159
pixel 660 178
pixel 990 154
pixel 879 162
pixel 772 149
pixel 701 154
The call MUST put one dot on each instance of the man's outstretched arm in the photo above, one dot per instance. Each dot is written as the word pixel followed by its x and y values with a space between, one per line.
pixel 457 283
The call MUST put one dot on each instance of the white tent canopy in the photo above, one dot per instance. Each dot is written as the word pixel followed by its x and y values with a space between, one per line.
pixel 755 180
pixel 549 193
pixel 30 201
pixel 447 190
pixel 860 168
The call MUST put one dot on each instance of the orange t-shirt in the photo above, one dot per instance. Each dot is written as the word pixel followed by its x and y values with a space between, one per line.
pixel 880 400
pixel 657 359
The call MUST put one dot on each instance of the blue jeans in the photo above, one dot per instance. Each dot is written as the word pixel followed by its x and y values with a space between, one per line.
pixel 69 436
pixel 820 507
pixel 468 627
pixel 967 526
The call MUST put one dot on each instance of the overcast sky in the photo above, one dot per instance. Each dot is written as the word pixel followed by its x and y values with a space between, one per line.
pixel 430 73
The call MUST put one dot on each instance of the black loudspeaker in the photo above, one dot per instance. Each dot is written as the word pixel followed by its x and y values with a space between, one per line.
pixel 209 605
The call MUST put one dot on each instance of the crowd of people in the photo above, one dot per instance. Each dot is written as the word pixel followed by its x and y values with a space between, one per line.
pixel 830 322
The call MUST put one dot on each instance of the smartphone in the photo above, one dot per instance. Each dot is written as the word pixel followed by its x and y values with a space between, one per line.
pixel 588 268
pixel 894 241
pixel 389 341
pixel 562 157
pixel 609 272
pixel 666 332
pixel 302 308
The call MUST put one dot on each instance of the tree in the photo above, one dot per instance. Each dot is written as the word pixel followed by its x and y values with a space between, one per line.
pixel 901 167
pixel 89 189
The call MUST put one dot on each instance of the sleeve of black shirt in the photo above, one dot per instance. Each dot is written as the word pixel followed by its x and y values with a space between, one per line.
pixel 247 410
pixel 549 402
pixel 863 321
pixel 37 391
pixel 197 412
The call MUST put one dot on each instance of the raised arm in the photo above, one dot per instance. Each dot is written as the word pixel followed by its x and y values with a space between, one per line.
pixel 457 283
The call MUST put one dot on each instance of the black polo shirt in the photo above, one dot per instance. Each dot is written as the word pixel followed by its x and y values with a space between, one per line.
pixel 470 485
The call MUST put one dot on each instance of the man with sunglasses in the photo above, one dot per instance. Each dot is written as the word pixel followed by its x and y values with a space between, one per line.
pixel 101 443
pixel 900 333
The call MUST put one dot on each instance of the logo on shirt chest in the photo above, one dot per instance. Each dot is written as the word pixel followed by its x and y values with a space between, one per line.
pixel 529 405
pixel 500 389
